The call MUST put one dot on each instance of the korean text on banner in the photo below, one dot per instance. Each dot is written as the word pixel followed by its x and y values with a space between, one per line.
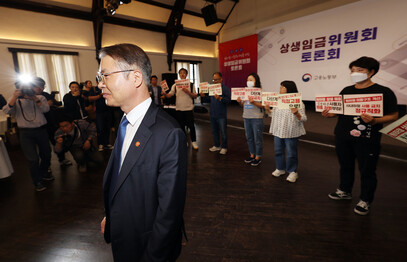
pixel 269 99
pixel 204 87
pixel 355 105
pixel 239 92
pixel 332 103
pixel 183 83
pixel 397 129
pixel 288 101
pixel 164 85
pixel 215 89
pixel 254 93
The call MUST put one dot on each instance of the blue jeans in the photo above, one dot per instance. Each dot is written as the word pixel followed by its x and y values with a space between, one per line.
pixel 254 134
pixel 219 124
pixel 289 145
pixel 30 139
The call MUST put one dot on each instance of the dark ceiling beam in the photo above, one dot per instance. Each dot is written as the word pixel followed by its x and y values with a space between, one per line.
pixel 98 15
pixel 174 28
pixel 170 7
pixel 46 9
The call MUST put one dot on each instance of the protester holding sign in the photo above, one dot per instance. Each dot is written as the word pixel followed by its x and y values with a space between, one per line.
pixel 359 136
pixel 253 121
pixel 185 105
pixel 287 125
pixel 218 114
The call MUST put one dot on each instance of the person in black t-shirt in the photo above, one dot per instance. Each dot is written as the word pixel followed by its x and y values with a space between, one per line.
pixel 359 137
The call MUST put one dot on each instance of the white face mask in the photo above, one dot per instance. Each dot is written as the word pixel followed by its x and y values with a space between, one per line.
pixel 357 77
pixel 250 83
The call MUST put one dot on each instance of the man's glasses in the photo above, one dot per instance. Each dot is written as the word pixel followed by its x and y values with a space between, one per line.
pixel 100 77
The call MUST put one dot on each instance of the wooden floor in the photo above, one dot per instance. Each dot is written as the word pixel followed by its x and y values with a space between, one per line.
pixel 234 212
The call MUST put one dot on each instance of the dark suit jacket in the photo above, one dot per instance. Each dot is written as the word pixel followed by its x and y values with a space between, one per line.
pixel 150 89
pixel 144 216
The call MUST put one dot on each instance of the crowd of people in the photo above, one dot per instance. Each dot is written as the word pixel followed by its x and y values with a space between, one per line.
pixel 83 127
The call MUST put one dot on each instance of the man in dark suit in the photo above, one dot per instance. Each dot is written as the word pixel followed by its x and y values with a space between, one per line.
pixel 155 90
pixel 144 185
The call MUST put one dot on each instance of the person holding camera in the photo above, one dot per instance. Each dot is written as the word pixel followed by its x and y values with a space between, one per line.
pixel 29 108
pixel 76 136
pixel 74 103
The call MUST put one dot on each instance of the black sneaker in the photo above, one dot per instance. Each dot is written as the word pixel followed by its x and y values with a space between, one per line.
pixel 256 162
pixel 340 195
pixel 40 187
pixel 362 208
pixel 48 177
pixel 249 160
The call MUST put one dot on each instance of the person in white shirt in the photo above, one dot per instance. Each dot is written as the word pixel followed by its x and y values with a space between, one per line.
pixel 185 106
pixel 287 125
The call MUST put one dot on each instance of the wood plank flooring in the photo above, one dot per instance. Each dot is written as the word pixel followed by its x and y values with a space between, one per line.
pixel 234 212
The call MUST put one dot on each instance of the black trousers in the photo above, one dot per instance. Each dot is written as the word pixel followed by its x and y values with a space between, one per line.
pixel 186 119
pixel 367 155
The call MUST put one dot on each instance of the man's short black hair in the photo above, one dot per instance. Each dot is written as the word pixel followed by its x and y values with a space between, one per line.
pixel 183 69
pixel 154 76
pixel 62 117
pixel 218 73
pixel 74 82
pixel 366 62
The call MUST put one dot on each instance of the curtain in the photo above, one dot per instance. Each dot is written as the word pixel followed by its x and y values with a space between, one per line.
pixel 56 70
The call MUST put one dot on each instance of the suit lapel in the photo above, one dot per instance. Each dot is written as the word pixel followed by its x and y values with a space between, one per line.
pixel 137 146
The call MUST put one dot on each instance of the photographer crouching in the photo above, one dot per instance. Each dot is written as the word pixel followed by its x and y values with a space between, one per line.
pixel 77 136
pixel 28 107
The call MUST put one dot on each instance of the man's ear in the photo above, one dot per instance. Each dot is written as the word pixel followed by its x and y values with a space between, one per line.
pixel 137 78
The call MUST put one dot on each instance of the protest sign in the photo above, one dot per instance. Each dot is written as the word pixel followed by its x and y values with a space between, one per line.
pixel 239 92
pixel 254 93
pixel 215 89
pixel 164 85
pixel 182 83
pixel 203 87
pixel 397 129
pixel 332 103
pixel 269 99
pixel 355 105
pixel 290 100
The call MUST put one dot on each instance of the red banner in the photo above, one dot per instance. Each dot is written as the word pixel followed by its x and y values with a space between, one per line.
pixel 237 59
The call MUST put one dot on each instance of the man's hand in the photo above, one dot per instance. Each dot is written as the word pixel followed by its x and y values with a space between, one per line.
pixel 186 90
pixel 60 140
pixel 86 145
pixel 326 113
pixel 102 225
pixel 368 119
pixel 218 97
pixel 201 94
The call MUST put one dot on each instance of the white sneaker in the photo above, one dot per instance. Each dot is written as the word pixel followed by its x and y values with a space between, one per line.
pixel 195 145
pixel 223 151
pixel 214 149
pixel 278 173
pixel 292 177
pixel 100 149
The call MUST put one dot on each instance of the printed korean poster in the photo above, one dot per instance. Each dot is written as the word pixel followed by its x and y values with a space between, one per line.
pixel 239 92
pixel 183 83
pixel 254 93
pixel 397 129
pixel 215 89
pixel 164 85
pixel 332 103
pixel 288 101
pixel 355 105
pixel 204 87
pixel 269 99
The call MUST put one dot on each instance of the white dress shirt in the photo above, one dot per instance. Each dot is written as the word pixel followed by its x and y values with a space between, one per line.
pixel 135 116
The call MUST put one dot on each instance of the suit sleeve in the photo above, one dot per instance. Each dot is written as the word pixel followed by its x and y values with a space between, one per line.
pixel 171 184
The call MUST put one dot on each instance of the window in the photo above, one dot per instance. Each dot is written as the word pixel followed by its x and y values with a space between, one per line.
pixel 57 68
pixel 193 71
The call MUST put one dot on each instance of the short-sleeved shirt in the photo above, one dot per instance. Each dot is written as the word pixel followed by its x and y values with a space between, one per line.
pixel 184 102
pixel 251 111
pixel 353 127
